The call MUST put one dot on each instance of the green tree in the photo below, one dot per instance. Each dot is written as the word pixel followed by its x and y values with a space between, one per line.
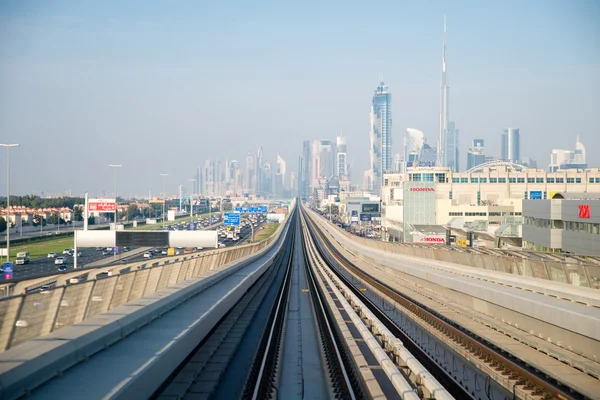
pixel 56 219
pixel 2 224
pixel 132 211
pixel 78 214
pixel 38 219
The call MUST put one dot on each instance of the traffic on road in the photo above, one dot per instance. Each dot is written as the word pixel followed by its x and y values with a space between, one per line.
pixel 55 262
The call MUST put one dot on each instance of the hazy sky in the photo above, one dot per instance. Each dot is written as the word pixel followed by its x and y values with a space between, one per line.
pixel 160 86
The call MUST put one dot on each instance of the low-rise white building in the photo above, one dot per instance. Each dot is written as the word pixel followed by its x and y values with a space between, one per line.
pixel 491 193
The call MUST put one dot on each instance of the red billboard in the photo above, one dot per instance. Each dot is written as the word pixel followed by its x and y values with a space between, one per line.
pixel 102 205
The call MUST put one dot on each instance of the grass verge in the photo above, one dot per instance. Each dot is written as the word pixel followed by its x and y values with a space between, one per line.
pixel 42 248
pixel 267 232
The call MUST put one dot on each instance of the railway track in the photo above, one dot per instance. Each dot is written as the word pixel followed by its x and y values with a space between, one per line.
pixel 262 381
pixel 247 344
pixel 525 382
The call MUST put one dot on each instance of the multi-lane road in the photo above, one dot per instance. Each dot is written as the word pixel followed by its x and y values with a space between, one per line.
pixel 46 266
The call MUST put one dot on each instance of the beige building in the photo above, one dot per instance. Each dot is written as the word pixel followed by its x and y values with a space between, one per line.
pixel 488 194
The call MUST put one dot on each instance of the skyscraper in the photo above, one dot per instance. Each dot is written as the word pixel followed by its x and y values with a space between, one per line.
pixel 451 147
pixel 444 106
pixel 568 159
pixel 259 175
pixel 304 166
pixel 504 145
pixel 341 168
pixel 513 142
pixel 381 138
pixel 476 156
pixel 249 178
pixel 280 176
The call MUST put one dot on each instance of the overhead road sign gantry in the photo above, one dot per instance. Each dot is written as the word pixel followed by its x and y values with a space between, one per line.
pixel 231 219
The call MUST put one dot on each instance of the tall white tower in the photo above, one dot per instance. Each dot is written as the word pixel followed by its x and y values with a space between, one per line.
pixel 444 105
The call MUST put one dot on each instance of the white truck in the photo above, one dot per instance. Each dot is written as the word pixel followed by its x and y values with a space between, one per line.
pixel 22 258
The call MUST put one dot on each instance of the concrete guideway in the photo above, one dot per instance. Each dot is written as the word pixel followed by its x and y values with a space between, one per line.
pixel 510 298
pixel 572 371
pixel 146 339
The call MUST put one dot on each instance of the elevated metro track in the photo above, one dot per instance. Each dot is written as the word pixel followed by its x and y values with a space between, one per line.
pixel 549 371
pixel 310 315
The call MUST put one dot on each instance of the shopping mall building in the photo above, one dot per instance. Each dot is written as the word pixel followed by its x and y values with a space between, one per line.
pixel 568 223
pixel 419 204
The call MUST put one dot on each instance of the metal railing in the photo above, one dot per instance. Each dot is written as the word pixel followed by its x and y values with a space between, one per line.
pixel 26 316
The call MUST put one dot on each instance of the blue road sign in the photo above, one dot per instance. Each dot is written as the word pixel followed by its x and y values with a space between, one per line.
pixel 262 209
pixel 231 219
pixel 238 209
pixel 8 270
pixel 254 209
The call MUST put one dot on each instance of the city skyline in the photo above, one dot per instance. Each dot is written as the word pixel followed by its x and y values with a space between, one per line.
pixel 99 101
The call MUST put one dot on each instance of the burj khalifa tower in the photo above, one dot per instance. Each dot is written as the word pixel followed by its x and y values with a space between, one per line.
pixel 444 107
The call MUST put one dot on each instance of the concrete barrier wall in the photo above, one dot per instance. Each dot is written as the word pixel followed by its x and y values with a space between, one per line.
pixel 587 275
pixel 26 316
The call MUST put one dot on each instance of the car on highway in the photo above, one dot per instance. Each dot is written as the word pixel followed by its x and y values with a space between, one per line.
pixel 62 268
pixel 67 251
pixel 60 261
pixel 148 254
pixel 22 323
pixel 51 255
pixel 221 244
pixel 105 252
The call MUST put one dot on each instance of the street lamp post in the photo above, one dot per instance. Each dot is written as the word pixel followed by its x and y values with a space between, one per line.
pixel 192 199
pixel 115 166
pixel 164 197
pixel 8 146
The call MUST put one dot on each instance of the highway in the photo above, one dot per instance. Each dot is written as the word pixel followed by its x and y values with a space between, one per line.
pixel 46 266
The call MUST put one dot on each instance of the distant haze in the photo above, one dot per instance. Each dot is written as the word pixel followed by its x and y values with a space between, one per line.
pixel 161 88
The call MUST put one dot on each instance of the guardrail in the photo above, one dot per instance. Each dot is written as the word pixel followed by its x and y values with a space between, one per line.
pixel 578 274
pixel 26 316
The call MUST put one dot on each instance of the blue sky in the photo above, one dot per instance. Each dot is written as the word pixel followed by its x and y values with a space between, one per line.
pixel 160 87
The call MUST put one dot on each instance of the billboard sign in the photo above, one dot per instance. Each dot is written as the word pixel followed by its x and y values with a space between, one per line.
pixel 102 205
pixel 365 217
pixel 434 239
pixel 535 195
pixel 231 219
pixel 422 189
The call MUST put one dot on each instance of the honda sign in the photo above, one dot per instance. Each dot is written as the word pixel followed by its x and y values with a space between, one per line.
pixel 435 240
